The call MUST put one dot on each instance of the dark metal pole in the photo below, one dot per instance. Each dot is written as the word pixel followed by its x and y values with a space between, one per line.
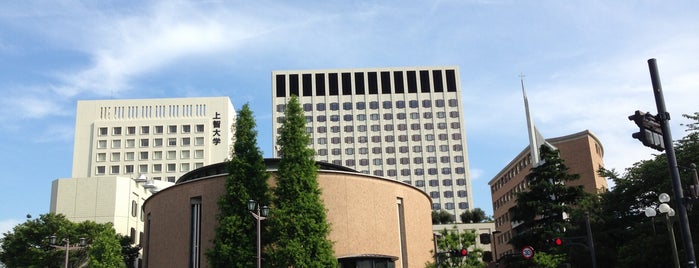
pixel 259 240
pixel 671 233
pixel 436 249
pixel 590 242
pixel 663 118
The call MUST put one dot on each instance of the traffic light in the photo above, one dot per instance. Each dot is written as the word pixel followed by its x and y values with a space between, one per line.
pixel 650 133
pixel 557 241
pixel 458 252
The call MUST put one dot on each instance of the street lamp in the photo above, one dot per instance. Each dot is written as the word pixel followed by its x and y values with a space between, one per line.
pixel 435 237
pixel 68 247
pixel 260 213
pixel 668 212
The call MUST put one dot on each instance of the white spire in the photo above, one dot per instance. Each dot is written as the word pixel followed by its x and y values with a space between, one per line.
pixel 535 138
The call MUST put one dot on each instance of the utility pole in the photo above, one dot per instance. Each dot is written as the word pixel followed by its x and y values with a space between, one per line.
pixel 663 117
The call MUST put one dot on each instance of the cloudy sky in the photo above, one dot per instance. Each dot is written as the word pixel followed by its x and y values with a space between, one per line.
pixel 584 64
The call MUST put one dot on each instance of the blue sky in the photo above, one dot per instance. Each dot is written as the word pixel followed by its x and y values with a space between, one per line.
pixel 584 62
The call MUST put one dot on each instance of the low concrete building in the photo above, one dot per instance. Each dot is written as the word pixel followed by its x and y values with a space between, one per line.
pixel 109 199
pixel 373 219
pixel 477 228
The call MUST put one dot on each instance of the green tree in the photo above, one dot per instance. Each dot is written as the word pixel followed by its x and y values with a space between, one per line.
pixel 475 215
pixel 541 208
pixel 624 236
pixel 442 217
pixel 28 244
pixel 298 218
pixel 105 250
pixel 234 244
pixel 129 251
pixel 450 240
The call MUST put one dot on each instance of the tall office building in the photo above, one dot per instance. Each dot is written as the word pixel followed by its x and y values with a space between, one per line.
pixel 118 141
pixel 402 123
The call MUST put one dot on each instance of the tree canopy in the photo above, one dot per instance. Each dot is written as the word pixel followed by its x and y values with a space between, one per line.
pixel 29 245
pixel 624 236
pixel 541 212
pixel 450 240
pixel 298 219
pixel 475 215
pixel 234 244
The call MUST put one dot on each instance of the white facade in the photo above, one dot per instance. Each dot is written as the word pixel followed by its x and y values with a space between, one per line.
pixel 477 228
pixel 118 141
pixel 163 138
pixel 114 199
pixel 401 123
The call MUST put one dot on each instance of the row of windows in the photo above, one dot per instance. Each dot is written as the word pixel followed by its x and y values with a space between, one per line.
pixel 435 182
pixel 407 172
pixel 375 117
pixel 146 143
pixel 390 150
pixel 387 127
pixel 404 160
pixel 448 194
pixel 449 206
pixel 348 83
pixel 373 105
pixel 521 165
pixel 511 194
pixel 145 168
pixel 146 155
pixel 391 138
pixel 145 130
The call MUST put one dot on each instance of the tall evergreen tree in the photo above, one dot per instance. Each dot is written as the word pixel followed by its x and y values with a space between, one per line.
pixel 234 244
pixel 542 207
pixel 298 218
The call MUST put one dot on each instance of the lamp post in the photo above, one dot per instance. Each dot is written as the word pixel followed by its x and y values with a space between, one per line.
pixel 260 213
pixel 668 212
pixel 68 247
pixel 435 237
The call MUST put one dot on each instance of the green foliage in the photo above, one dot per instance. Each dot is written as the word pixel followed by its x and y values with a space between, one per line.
pixel 455 240
pixel 298 218
pixel 541 208
pixel 28 244
pixel 235 242
pixel 105 250
pixel 546 260
pixel 442 217
pixel 624 236
pixel 475 215
pixel 129 251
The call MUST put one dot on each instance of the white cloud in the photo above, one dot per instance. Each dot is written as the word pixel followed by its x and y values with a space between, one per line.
pixel 475 173
pixel 6 225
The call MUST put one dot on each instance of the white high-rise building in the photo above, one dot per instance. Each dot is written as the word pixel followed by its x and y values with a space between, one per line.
pixel 163 138
pixel 119 141
pixel 401 123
